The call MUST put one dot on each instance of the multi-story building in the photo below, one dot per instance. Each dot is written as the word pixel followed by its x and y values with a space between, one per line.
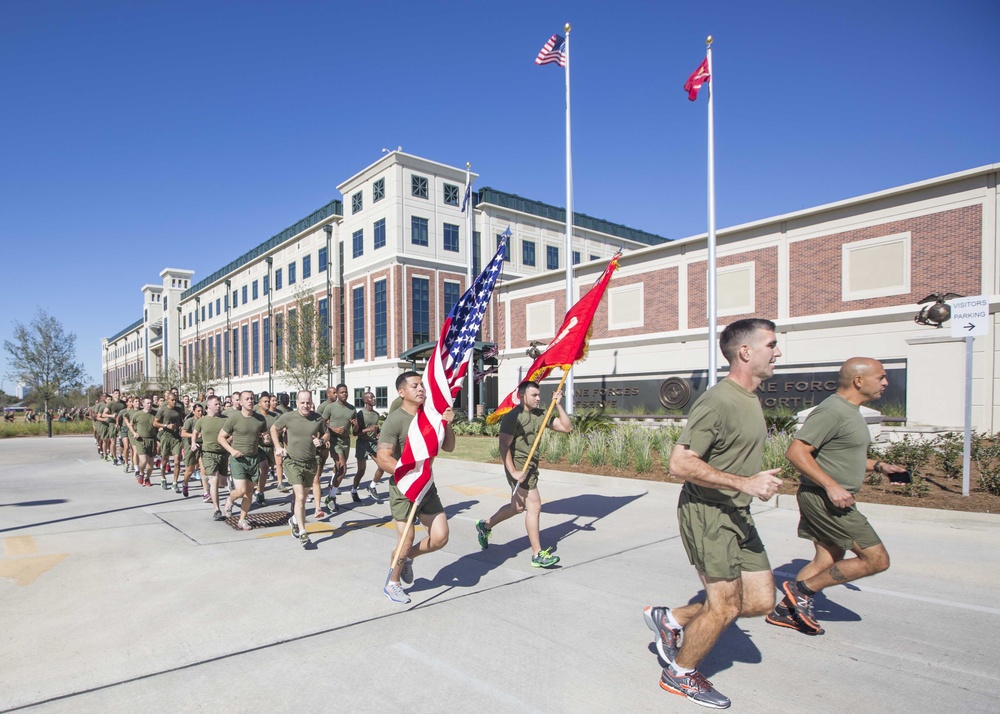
pixel 382 268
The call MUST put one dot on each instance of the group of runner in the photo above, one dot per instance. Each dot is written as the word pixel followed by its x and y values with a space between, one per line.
pixel 719 455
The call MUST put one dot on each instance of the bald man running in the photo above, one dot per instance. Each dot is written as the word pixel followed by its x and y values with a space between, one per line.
pixel 831 453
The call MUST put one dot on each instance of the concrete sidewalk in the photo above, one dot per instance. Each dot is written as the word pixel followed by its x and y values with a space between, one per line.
pixel 121 598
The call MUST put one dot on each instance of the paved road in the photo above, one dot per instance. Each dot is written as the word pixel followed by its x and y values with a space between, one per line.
pixel 117 598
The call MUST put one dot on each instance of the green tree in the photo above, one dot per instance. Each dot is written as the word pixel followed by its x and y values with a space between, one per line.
pixel 198 378
pixel 309 352
pixel 42 356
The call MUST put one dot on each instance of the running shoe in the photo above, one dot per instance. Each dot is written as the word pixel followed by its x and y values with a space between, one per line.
pixel 138 479
pixel 164 485
pixel 407 573
pixel 207 498
pixel 394 591
pixel 373 493
pixel 243 525
pixel 309 497
pixel 147 482
pixel 801 605
pixel 295 527
pixel 284 488
pixel 783 617
pixel 260 499
pixel 483 534
pixel 544 559
pixel 304 540
pixel 320 513
pixel 695 687
pixel 354 495
pixel 668 638
pixel 177 488
pixel 331 504
pixel 184 490
pixel 217 516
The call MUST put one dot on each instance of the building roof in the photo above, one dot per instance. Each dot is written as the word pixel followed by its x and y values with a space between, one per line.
pixel 554 213
pixel 134 326
pixel 333 208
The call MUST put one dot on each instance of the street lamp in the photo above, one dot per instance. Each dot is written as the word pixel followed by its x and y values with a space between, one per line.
pixel 229 355
pixel 270 328
pixel 328 229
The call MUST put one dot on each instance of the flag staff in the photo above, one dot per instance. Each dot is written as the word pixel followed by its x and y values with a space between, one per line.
pixel 467 207
pixel 713 357
pixel 569 218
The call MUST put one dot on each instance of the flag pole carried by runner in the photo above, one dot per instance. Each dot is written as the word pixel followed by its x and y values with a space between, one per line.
pixel 570 343
pixel 446 369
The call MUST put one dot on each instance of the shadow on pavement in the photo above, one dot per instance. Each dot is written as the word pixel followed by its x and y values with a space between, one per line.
pixel 825 608
pixel 85 515
pixel 47 502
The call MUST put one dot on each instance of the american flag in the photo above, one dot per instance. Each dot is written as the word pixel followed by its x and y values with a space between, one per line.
pixel 553 51
pixel 446 369
pixel 468 193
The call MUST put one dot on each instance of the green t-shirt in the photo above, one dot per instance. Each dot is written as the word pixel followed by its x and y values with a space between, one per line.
pixel 523 426
pixel 299 433
pixel 142 422
pixel 209 427
pixel 366 419
pixel 726 428
pixel 840 436
pixel 112 409
pixel 174 417
pixel 396 404
pixel 125 415
pixel 246 432
pixel 230 411
pixel 338 415
pixel 189 427
pixel 394 430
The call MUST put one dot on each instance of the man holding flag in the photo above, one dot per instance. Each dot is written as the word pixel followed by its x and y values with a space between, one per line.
pixel 518 432
pixel 414 434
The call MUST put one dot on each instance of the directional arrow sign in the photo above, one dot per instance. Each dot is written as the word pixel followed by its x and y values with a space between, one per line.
pixel 970 316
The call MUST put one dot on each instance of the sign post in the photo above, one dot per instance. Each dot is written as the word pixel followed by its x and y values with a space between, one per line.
pixel 969 319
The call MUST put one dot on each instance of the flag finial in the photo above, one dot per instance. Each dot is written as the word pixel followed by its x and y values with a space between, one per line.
pixel 468 165
pixel 567 28
pixel 708 40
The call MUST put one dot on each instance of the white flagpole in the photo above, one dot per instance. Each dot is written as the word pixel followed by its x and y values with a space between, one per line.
pixel 569 219
pixel 470 399
pixel 713 357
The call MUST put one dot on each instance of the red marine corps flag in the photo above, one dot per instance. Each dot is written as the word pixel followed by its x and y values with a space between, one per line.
pixel 697 79
pixel 446 369
pixel 570 343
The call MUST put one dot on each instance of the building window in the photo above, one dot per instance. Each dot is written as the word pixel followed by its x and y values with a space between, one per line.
pixel 381 322
pixel 358 241
pixel 267 344
pixel 307 266
pixel 451 295
pixel 594 257
pixel 253 290
pixel 475 253
pixel 625 307
pixel 203 311
pixel 358 393
pixel 418 186
pixel 279 341
pixel 381 397
pixel 267 284
pixel 379 233
pixel 451 194
pixel 255 347
pixel 291 273
pixel 277 279
pixel 451 237
pixel 510 247
pixel 420 319
pixel 418 231
pixel 356 204
pixel 324 323
pixel 551 257
pixel 244 294
pixel 528 252
pixel 246 349
pixel 877 267
pixel 540 320
pixel 358 322
pixel 378 190
pixel 322 259
pixel 576 257
pixel 235 303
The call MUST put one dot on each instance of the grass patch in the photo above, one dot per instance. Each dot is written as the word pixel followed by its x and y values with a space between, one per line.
pixel 59 428
pixel 472 448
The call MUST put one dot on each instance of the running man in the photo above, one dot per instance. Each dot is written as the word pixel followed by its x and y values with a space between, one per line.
pixel 518 430
pixel 719 454
pixel 339 417
pixel 191 454
pixel 431 513
pixel 831 453
pixel 205 438
pixel 144 437
pixel 245 431
pixel 169 420
pixel 366 430
pixel 266 452
pixel 305 431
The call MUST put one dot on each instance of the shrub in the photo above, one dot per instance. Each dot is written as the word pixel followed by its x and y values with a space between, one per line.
pixel 780 419
pixel 552 445
pixel 587 422
pixel 597 449
pixel 619 450
pixel 988 461
pixel 644 456
pixel 912 453
pixel 917 488
pixel 950 448
pixel 775 446
pixel 576 445
pixel 495 451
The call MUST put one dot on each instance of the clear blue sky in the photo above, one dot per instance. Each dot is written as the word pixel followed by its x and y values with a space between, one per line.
pixel 140 135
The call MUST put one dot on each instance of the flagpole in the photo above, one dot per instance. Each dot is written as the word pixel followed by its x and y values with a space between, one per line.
pixel 471 384
pixel 569 217
pixel 713 357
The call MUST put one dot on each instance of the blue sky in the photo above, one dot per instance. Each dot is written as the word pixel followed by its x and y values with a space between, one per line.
pixel 140 135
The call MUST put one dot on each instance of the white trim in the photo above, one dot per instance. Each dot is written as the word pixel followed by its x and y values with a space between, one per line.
pixel 847 248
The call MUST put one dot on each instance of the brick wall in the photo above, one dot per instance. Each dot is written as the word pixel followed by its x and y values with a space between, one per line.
pixel 766 273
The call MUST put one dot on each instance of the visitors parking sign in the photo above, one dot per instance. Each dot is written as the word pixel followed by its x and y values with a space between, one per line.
pixel 970 316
